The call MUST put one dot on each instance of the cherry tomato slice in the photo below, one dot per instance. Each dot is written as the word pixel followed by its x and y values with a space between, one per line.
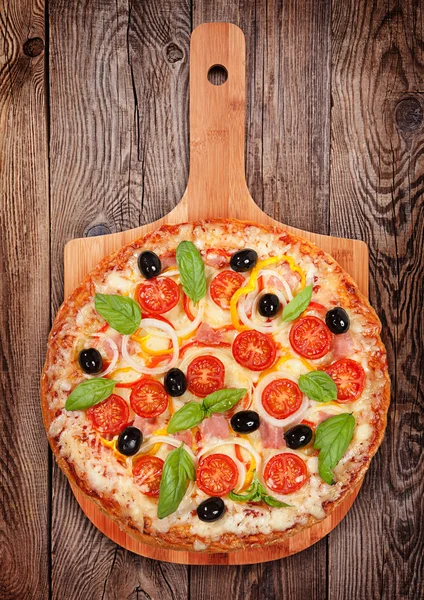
pixel 158 295
pixel 349 377
pixel 254 350
pixel 110 415
pixel 310 337
pixel 205 374
pixel 149 399
pixel 223 287
pixel 217 475
pixel 147 473
pixel 285 473
pixel 281 398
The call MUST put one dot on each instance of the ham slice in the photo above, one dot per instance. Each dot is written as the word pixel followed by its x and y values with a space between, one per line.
pixel 214 258
pixel 184 436
pixel 168 259
pixel 343 345
pixel 271 436
pixel 291 278
pixel 206 335
pixel 215 426
pixel 146 426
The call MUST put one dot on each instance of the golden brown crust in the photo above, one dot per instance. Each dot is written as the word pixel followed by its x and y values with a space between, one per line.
pixel 179 537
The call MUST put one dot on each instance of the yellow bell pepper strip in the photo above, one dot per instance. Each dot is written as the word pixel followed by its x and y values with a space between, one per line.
pixel 251 284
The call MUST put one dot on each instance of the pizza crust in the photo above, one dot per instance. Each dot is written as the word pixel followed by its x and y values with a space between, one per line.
pixel 180 537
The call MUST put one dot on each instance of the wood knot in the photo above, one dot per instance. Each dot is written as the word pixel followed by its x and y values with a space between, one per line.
pixel 409 115
pixel 33 47
pixel 99 229
pixel 173 53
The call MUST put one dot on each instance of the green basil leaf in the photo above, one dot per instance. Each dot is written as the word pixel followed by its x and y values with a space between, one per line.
pixel 271 501
pixel 122 313
pixel 257 493
pixel 174 481
pixel 332 437
pixel 188 416
pixel 250 495
pixel 192 271
pixel 299 303
pixel 188 465
pixel 89 392
pixel 222 400
pixel 318 386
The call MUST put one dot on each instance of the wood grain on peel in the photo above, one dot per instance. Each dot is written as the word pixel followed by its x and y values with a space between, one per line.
pixel 119 158
pixel 24 298
pixel 377 193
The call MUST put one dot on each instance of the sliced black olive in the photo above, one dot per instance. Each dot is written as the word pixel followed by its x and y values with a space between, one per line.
pixel 245 421
pixel 337 320
pixel 211 509
pixel 175 382
pixel 243 260
pixel 298 436
pixel 149 264
pixel 90 361
pixel 268 305
pixel 129 441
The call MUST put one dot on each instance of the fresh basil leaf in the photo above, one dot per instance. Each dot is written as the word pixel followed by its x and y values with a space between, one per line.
pixel 256 493
pixel 271 501
pixel 89 392
pixel 299 303
pixel 174 481
pixel 222 400
pixel 318 386
pixel 332 437
pixel 192 271
pixel 188 416
pixel 188 465
pixel 122 313
pixel 250 495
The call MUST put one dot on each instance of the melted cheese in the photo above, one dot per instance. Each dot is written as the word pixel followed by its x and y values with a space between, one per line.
pixel 96 462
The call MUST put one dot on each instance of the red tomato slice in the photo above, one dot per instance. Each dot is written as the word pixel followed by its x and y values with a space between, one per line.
pixel 310 337
pixel 223 287
pixel 158 295
pixel 217 475
pixel 281 398
pixel 110 415
pixel 349 377
pixel 147 473
pixel 205 374
pixel 254 350
pixel 149 399
pixel 285 473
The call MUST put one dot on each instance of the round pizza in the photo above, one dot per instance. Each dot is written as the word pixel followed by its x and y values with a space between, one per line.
pixel 216 385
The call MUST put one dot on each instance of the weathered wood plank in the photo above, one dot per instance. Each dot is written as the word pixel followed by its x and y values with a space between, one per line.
pixel 377 186
pixel 119 157
pixel 287 168
pixel 24 298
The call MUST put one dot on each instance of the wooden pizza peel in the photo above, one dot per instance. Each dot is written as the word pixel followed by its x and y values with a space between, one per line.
pixel 216 189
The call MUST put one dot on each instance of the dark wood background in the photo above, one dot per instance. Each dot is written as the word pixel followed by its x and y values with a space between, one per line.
pixel 94 138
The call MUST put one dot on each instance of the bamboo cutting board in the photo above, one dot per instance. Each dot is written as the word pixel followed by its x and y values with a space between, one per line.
pixel 216 189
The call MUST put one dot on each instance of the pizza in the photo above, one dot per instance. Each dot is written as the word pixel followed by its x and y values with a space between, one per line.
pixel 216 385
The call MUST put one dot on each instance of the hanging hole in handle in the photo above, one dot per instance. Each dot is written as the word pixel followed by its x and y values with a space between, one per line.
pixel 217 75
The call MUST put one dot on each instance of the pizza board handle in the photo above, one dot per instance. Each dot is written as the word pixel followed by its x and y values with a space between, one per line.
pixel 217 182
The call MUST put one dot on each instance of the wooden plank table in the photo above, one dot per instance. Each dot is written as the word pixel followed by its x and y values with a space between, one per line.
pixel 94 138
